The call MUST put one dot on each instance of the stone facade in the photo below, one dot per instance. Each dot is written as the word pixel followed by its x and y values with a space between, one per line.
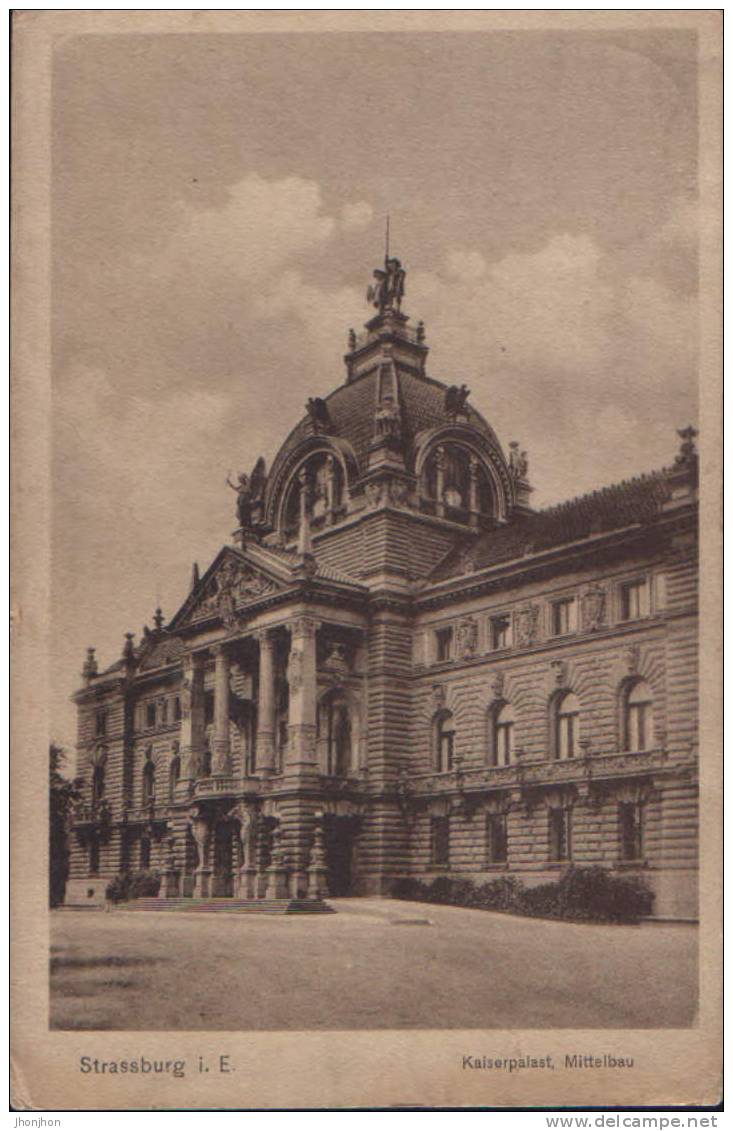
pixel 398 667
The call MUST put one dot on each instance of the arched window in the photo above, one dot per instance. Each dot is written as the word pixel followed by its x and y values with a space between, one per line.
pixel 98 783
pixel 567 719
pixel 324 492
pixel 335 732
pixel 148 780
pixel 502 738
pixel 174 773
pixel 443 737
pixel 455 483
pixel 638 717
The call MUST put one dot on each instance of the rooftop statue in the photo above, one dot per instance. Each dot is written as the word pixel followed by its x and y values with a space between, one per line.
pixel 455 400
pixel 317 409
pixel 389 286
pixel 249 491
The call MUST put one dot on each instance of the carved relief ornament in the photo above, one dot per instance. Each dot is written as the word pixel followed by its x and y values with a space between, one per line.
pixel 526 625
pixel 593 608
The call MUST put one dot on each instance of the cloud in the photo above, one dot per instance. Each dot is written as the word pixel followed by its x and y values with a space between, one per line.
pixel 358 215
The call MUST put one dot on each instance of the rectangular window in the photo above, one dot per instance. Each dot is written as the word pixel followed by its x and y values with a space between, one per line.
pixel 440 840
pixel 631 839
pixel 496 838
pixel 94 857
pixel 501 632
pixel 560 834
pixel 164 711
pixel 101 723
pixel 208 707
pixel 563 616
pixel 443 643
pixel 177 708
pixel 634 600
pixel 150 714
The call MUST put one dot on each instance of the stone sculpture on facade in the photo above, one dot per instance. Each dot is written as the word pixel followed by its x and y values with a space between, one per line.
pixel 526 625
pixel 593 608
pixel 317 410
pixel 249 490
pixel 467 637
pixel 455 400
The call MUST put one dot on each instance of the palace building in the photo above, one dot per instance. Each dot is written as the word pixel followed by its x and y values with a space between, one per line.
pixel 398 667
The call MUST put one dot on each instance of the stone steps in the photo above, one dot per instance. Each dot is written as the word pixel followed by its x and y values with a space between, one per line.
pixel 232 906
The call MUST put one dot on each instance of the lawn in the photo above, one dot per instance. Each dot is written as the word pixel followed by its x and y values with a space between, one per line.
pixel 375 965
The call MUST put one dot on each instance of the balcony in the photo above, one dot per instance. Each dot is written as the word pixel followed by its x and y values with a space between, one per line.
pixel 221 786
pixel 96 813
pixel 591 768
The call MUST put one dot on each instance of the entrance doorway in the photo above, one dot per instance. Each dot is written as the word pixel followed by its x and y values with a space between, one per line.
pixel 223 878
pixel 339 836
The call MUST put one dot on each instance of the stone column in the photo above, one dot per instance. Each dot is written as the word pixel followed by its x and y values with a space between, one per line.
pixel 440 481
pixel 221 760
pixel 473 503
pixel 277 874
pixel 330 489
pixel 265 741
pixel 301 754
pixel 192 722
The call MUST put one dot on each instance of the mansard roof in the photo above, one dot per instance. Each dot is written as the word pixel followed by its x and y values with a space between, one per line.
pixel 632 502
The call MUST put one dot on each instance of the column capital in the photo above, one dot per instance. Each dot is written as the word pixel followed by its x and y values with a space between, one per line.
pixel 265 637
pixel 304 625
pixel 220 648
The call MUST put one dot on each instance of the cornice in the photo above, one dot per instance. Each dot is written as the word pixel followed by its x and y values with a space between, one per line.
pixel 538 566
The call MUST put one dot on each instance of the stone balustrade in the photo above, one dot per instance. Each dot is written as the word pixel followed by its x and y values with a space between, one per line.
pixel 593 767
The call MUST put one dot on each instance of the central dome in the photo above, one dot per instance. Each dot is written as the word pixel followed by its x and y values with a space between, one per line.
pixel 390 433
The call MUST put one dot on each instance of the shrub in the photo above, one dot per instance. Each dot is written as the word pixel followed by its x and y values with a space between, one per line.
pixel 144 884
pixel 441 890
pixel 408 888
pixel 497 895
pixel 542 901
pixel 593 893
pixel 132 885
pixel 590 894
pixel 118 887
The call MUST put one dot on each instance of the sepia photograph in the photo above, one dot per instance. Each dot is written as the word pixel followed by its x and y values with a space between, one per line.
pixel 375 431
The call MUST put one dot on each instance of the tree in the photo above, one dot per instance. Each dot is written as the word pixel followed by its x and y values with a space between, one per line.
pixel 63 794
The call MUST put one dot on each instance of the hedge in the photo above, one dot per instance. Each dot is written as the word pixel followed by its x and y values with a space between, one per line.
pixel 581 894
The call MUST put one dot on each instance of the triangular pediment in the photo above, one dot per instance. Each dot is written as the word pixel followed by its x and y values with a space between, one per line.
pixel 231 583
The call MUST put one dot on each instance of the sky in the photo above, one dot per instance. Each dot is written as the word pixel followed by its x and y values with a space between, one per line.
pixel 219 203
